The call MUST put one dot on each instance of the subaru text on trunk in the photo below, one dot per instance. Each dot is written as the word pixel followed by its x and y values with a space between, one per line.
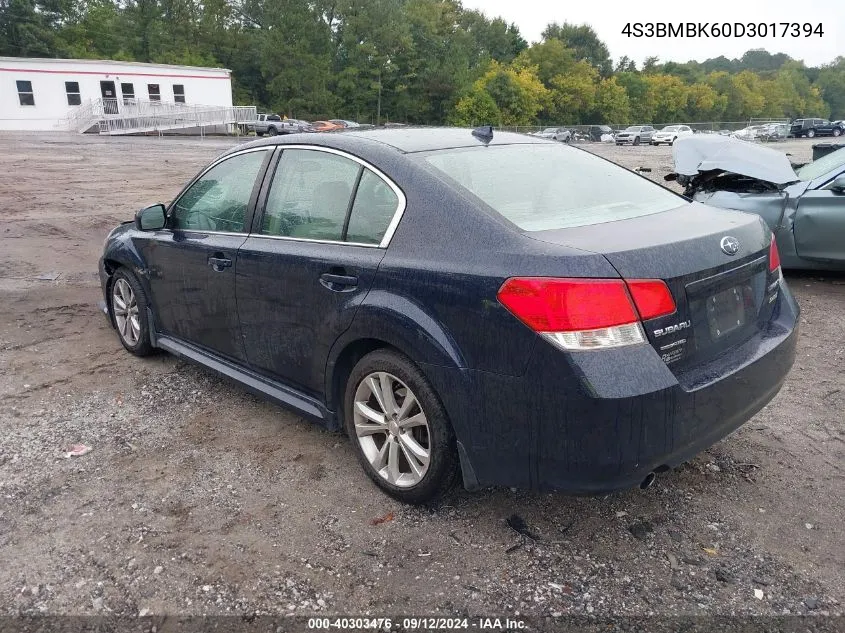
pixel 499 308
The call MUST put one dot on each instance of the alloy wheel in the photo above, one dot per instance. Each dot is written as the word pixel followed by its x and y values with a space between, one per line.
pixel 392 429
pixel 126 314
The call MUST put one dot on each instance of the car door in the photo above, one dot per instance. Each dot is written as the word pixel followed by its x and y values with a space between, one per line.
pixel 311 259
pixel 192 263
pixel 819 225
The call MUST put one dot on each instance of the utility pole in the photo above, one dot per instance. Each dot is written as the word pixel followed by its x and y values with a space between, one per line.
pixel 378 110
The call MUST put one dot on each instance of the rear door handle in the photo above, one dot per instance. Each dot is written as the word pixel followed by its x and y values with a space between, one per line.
pixel 338 283
pixel 219 263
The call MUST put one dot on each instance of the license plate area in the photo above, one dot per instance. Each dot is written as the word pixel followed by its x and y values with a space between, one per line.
pixel 729 310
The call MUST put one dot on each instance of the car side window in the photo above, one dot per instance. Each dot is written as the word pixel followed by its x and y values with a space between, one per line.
pixel 219 199
pixel 309 195
pixel 375 205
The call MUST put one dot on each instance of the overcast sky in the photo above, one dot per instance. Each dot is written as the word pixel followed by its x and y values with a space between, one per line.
pixel 609 18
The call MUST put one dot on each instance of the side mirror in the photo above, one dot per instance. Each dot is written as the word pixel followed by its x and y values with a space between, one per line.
pixel 838 185
pixel 151 218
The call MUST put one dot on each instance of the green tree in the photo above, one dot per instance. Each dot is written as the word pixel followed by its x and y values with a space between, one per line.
pixel 584 41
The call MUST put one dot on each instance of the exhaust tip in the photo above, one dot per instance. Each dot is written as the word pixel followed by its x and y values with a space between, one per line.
pixel 649 479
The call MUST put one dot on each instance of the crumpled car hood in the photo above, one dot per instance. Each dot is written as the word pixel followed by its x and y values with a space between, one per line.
pixel 694 155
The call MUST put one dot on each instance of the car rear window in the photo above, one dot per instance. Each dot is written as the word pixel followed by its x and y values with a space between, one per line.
pixel 540 187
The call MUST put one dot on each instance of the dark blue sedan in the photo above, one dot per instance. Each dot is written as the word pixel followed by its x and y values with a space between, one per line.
pixel 500 308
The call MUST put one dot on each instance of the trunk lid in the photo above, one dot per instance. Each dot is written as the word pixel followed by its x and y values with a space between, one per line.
pixel 722 300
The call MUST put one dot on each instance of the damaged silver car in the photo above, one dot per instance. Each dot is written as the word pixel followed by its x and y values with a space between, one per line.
pixel 804 206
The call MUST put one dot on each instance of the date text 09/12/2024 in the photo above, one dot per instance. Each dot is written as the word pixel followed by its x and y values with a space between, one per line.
pixel 417 623
pixel 722 29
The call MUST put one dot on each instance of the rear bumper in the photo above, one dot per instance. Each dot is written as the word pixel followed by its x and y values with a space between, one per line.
pixel 594 422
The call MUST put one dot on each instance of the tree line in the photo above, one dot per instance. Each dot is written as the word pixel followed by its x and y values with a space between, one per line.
pixel 418 61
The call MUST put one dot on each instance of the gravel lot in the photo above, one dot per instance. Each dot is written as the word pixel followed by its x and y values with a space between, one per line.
pixel 199 498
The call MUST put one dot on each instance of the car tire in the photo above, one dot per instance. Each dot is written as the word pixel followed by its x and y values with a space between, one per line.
pixel 271 131
pixel 837 131
pixel 259 133
pixel 424 454
pixel 811 133
pixel 128 304
pixel 636 140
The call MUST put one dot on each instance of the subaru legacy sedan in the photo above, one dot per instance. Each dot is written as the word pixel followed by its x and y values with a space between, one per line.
pixel 491 307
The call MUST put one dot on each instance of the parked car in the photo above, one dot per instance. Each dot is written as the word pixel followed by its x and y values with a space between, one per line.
pixel 555 134
pixel 344 123
pixel 325 126
pixel 750 133
pixel 670 134
pixel 805 208
pixel 596 132
pixel 635 134
pixel 774 132
pixel 616 330
pixel 830 128
pixel 273 124
pixel 806 127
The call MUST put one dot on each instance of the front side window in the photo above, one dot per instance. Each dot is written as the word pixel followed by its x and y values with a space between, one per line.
pixel 72 90
pixel 25 94
pixel 154 91
pixel 178 93
pixel 218 201
pixel 310 194
pixel 551 186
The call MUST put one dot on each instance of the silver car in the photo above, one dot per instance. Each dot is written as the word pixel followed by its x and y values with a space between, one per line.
pixel 555 134
pixel 635 134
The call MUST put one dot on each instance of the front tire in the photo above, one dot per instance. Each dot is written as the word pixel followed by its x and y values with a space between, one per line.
pixel 837 131
pixel 128 303
pixel 399 429
pixel 811 133
pixel 637 140
pixel 272 131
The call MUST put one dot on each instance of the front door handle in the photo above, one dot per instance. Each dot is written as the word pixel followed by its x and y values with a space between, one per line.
pixel 338 283
pixel 219 263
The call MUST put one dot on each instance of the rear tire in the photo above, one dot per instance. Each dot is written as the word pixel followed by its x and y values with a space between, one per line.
pixel 128 303
pixel 811 133
pixel 399 429
pixel 259 133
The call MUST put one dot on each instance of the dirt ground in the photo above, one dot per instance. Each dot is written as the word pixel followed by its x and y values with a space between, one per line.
pixel 199 498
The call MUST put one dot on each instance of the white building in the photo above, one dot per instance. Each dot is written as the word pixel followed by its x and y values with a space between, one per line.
pixel 43 94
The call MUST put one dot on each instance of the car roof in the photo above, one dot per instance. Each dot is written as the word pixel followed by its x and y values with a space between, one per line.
pixel 424 139
pixel 403 140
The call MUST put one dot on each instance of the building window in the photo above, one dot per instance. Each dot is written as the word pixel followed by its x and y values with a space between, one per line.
pixel 128 91
pixel 72 90
pixel 154 91
pixel 25 94
pixel 179 93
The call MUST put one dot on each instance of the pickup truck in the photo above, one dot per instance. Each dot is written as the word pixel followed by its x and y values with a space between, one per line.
pixel 273 124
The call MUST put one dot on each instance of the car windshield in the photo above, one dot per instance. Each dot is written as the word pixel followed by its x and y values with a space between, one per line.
pixel 823 165
pixel 633 128
pixel 542 187
pixel 549 130
pixel 670 128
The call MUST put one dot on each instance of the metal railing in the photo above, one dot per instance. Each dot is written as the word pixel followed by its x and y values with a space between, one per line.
pixel 132 116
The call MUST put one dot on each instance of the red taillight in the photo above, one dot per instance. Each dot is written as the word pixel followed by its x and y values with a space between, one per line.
pixel 652 297
pixel 586 313
pixel 566 305
pixel 774 256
